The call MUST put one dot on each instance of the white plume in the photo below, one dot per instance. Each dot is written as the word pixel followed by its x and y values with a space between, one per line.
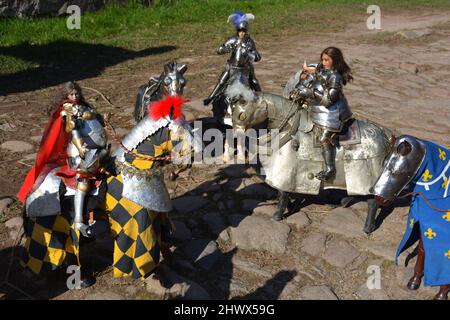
pixel 237 89
pixel 250 16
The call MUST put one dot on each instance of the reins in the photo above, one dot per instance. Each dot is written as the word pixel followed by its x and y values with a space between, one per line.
pixel 424 198
pixel 112 132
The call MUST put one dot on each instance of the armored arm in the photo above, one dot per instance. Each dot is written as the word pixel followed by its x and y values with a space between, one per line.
pixel 252 52
pixel 228 46
pixel 72 115
pixel 332 92
pixel 303 90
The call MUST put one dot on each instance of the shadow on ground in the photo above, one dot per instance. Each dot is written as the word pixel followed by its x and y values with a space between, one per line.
pixel 62 61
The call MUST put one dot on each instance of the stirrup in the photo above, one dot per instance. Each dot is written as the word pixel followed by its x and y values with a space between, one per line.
pixel 85 230
pixel 323 176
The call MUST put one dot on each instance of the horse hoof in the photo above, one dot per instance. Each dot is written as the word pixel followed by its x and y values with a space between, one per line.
pixel 413 285
pixel 443 293
pixel 277 216
pixel 87 282
pixel 206 102
pixel 346 202
pixel 368 230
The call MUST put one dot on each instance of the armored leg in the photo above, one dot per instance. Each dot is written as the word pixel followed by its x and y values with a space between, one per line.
pixel 369 226
pixel 283 200
pixel 80 195
pixel 443 293
pixel 414 282
pixel 218 88
pixel 329 156
pixel 254 83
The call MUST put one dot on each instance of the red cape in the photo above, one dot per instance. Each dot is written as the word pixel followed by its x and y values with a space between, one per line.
pixel 52 153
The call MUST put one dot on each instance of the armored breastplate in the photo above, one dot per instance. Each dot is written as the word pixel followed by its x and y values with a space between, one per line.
pixel 319 86
pixel 87 125
pixel 239 56
pixel 93 133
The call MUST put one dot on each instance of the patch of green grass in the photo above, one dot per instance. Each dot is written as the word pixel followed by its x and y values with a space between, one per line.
pixel 183 23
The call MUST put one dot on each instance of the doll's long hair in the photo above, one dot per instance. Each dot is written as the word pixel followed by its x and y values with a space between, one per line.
pixel 67 89
pixel 339 63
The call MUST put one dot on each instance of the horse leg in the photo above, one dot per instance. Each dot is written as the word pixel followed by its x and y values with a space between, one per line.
pixel 414 282
pixel 228 153
pixel 283 200
pixel 240 147
pixel 347 201
pixel 373 206
pixel 443 293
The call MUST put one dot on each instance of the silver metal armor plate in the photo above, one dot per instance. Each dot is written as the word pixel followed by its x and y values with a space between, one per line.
pixel 325 113
pixel 357 166
pixel 93 134
pixel 149 193
pixel 142 130
pixel 400 167
pixel 44 201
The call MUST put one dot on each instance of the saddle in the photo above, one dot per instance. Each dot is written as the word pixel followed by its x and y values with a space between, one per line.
pixel 350 133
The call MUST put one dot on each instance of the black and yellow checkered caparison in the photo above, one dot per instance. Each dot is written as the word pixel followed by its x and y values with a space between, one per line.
pixel 138 231
pixel 52 242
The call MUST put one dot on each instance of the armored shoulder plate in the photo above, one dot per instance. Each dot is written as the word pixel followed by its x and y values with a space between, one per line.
pixel 334 80
pixel 228 45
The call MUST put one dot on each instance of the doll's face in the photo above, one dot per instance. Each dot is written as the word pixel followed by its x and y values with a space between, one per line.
pixel 327 62
pixel 74 95
pixel 241 34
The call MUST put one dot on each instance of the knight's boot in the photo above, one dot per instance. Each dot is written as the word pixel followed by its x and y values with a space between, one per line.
pixel 329 157
pixel 255 84
pixel 443 293
pixel 80 195
pixel 283 200
pixel 416 279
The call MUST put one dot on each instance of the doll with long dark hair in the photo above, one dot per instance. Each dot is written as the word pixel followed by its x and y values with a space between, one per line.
pixel 328 105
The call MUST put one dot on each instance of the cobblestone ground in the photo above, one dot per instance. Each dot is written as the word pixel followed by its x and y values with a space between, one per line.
pixel 226 245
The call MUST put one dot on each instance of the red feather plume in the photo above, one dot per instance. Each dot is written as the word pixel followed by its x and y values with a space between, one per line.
pixel 170 106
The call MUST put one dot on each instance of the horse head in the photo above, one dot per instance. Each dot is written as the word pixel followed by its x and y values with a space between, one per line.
pixel 399 168
pixel 172 79
pixel 245 103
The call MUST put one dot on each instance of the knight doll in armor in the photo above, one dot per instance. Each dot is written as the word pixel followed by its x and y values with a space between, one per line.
pixel 63 191
pixel 243 54
pixel 328 107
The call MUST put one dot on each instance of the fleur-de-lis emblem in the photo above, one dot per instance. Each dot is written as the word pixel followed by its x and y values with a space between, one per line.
pixel 411 223
pixel 447 254
pixel 442 154
pixel 430 234
pixel 426 176
pixel 446 216
pixel 445 183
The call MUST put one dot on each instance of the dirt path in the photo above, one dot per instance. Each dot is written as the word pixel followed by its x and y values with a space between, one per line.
pixel 401 83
